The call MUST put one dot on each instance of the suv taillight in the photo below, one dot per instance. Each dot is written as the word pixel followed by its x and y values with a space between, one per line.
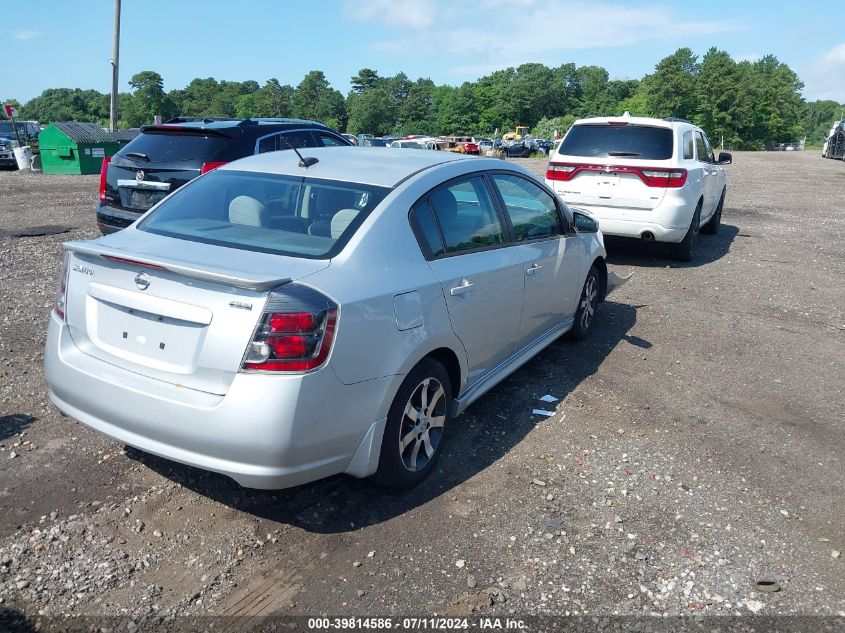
pixel 295 333
pixel 207 167
pixel 651 176
pixel 61 292
pixel 104 170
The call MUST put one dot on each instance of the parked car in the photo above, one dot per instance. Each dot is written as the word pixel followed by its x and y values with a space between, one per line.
pixel 407 144
pixel 653 179
pixel 164 157
pixel 351 138
pixel 279 321
pixel 484 144
pixel 7 154
pixel 374 142
pixel 27 133
pixel 543 145
pixel 519 149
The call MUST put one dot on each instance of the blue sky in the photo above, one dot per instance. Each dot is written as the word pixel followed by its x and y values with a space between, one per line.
pixel 67 43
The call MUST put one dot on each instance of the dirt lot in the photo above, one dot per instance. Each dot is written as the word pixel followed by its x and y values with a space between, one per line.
pixel 696 450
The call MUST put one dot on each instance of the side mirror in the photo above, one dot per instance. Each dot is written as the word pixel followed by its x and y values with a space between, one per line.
pixel 584 223
pixel 725 158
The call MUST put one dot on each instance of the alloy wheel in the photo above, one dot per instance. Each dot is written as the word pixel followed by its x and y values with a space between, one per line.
pixel 423 420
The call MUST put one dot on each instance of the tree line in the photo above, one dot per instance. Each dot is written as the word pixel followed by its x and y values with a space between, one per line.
pixel 746 105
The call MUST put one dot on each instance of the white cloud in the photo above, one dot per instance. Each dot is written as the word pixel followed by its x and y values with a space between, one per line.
pixel 413 14
pixel 494 33
pixel 824 78
pixel 748 57
pixel 26 35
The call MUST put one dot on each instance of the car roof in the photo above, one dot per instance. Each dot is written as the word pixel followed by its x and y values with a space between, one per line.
pixel 669 123
pixel 380 166
pixel 227 124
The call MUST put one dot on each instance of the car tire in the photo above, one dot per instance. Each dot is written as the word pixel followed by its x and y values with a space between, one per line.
pixel 585 315
pixel 713 224
pixel 685 250
pixel 412 442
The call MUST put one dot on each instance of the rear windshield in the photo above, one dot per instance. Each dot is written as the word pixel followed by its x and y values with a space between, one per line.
pixel 158 147
pixel 285 215
pixel 622 141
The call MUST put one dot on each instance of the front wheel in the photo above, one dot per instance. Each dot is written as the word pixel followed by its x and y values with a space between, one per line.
pixel 587 304
pixel 416 423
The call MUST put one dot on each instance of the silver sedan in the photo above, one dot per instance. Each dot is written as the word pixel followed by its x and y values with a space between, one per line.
pixel 286 318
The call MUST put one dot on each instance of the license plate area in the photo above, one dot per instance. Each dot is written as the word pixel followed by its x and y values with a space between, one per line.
pixel 147 339
pixel 142 199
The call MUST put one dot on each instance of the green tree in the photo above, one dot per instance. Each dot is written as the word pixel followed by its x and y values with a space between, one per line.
pixel 373 111
pixel 147 101
pixel 670 90
pixel 366 79
pixel 315 99
pixel 818 117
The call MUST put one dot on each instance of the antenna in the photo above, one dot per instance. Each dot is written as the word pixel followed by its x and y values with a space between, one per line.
pixel 303 162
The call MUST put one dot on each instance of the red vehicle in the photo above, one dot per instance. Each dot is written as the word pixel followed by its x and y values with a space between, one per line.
pixel 472 148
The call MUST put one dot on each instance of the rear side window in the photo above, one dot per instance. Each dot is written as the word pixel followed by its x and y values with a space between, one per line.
pixel 532 211
pixel 618 141
pixel 688 146
pixel 168 147
pixel 331 141
pixel 466 217
pixel 285 215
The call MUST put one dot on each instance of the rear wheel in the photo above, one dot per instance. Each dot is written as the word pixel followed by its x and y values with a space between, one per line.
pixel 587 304
pixel 416 423
pixel 685 250
pixel 713 224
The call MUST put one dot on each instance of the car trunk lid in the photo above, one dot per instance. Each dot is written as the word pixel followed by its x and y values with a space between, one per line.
pixel 186 319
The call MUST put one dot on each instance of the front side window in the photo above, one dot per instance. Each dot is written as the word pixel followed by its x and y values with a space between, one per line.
pixel 465 216
pixel 532 212
pixel 271 213
pixel 331 141
pixel 702 148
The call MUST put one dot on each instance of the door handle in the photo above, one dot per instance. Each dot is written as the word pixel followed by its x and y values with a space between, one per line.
pixel 533 269
pixel 465 287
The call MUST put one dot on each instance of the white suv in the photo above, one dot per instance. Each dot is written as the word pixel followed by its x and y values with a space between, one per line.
pixel 655 179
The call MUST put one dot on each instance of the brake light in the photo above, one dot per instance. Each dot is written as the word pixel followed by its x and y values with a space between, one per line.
pixel 61 293
pixel 104 170
pixel 133 262
pixel 672 178
pixel 207 167
pixel 652 177
pixel 295 333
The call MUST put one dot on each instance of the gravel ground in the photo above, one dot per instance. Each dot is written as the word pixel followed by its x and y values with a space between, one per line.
pixel 695 451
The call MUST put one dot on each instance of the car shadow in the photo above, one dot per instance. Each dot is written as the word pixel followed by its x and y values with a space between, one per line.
pixel 479 438
pixel 13 424
pixel 627 251
pixel 14 621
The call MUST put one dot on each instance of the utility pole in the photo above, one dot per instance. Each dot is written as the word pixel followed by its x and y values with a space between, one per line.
pixel 114 66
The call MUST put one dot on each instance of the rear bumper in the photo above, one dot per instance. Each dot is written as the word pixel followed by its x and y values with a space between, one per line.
pixel 8 161
pixel 111 219
pixel 667 222
pixel 267 431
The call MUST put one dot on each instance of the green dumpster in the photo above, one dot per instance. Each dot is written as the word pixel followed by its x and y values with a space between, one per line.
pixel 71 147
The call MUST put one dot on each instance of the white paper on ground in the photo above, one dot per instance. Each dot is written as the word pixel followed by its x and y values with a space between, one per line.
pixel 548 398
pixel 542 412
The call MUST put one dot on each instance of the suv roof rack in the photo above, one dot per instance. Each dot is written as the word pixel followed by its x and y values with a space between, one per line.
pixel 674 119
pixel 195 119
pixel 257 120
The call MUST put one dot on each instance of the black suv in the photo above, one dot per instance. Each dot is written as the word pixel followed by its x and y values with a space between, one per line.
pixel 164 157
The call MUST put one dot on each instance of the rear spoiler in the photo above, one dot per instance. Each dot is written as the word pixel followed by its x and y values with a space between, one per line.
pixel 168 128
pixel 240 279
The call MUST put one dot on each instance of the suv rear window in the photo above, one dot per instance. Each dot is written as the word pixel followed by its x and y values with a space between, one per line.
pixel 169 147
pixel 270 213
pixel 618 141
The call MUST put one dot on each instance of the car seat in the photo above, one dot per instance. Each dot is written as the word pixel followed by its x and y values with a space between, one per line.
pixel 248 211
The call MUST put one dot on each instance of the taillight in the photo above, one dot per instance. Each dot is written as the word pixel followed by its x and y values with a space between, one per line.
pixel 61 293
pixel 672 178
pixel 104 170
pixel 652 177
pixel 558 171
pixel 207 167
pixel 295 333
